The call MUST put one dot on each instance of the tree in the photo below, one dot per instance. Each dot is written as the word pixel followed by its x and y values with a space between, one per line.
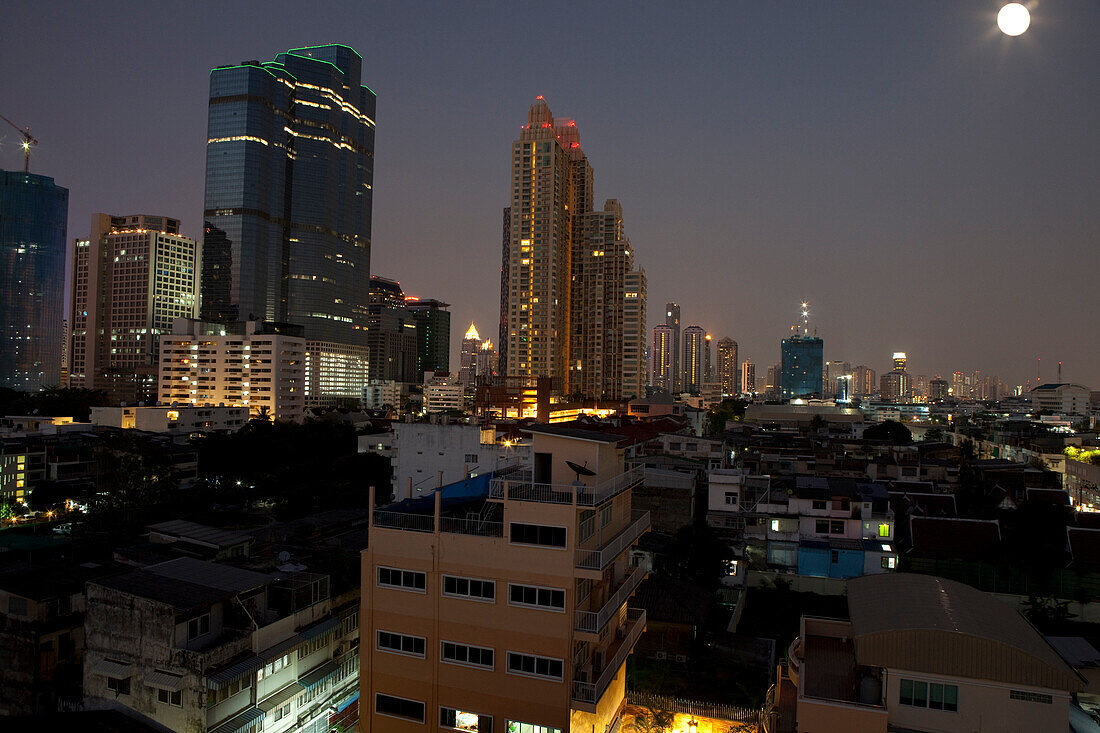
pixel 891 431
pixel 652 720
pixel 7 510
pixel 817 422
pixel 726 410
pixel 698 555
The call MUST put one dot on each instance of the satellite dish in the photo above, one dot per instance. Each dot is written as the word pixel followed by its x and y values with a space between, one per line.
pixel 580 470
pixel 284 557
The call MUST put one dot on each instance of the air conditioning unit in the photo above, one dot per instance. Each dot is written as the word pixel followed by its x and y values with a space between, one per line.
pixel 661 655
pixel 681 658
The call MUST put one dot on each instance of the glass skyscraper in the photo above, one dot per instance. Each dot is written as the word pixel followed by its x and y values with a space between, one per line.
pixel 801 366
pixel 34 213
pixel 289 171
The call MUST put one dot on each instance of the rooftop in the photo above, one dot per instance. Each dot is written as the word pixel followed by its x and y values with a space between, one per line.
pixel 200 533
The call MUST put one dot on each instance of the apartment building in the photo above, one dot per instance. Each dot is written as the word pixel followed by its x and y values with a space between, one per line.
pixel 822 526
pixel 501 603
pixel 203 646
pixel 923 653
pixel 207 419
pixel 252 364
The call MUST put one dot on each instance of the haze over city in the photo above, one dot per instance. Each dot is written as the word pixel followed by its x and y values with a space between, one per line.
pixel 925 182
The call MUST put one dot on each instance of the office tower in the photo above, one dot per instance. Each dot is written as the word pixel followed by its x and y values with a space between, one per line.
pixel 938 390
pixel 506 609
pixel 661 357
pixel 800 366
pixel 708 364
pixel 551 189
pixel 748 377
pixel 485 362
pixel 835 370
pixel 727 367
pixel 634 334
pixel 250 364
pixel 601 266
pixel 392 342
pixel 64 381
pixel 894 386
pixel 920 386
pixel 864 383
pixel 289 170
pixel 694 361
pixel 771 381
pixel 131 279
pixel 959 388
pixel 34 212
pixel 467 356
pixel 672 320
pixel 899 361
pixel 433 334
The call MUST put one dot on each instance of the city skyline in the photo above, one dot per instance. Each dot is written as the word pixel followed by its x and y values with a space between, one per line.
pixel 977 193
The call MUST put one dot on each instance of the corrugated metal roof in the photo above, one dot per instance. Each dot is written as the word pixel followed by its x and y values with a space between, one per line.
pixel 230 672
pixel 271 702
pixel 318 675
pixel 927 624
pixel 164 680
pixel 240 721
pixel 200 533
pixel 112 668
pixel 211 574
pixel 314 630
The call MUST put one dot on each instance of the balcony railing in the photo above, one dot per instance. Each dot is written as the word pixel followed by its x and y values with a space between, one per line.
pixel 590 692
pixel 404 520
pixel 592 622
pixel 519 486
pixel 472 526
pixel 604 556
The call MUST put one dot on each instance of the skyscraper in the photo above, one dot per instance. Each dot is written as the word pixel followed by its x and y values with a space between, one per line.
pixel 551 185
pixel 131 279
pixel 289 174
pixel 634 334
pixel 834 371
pixel 800 366
pixel 695 361
pixel 899 361
pixel 565 267
pixel 728 375
pixel 748 377
pixel 467 356
pixel 864 383
pixel 672 320
pixel 34 213
pixel 601 266
pixel 661 359
pixel 392 342
pixel 433 335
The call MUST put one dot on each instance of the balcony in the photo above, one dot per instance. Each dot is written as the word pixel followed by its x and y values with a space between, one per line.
pixel 599 559
pixel 593 622
pixel 413 522
pixel 587 694
pixel 520 486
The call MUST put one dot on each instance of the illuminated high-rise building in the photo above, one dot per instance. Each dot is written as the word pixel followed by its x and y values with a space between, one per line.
pixel 551 186
pixel 34 213
pixel 289 175
pixel 748 377
pixel 864 383
pixel 660 355
pixel 672 320
pixel 565 268
pixel 634 334
pixel 834 371
pixel 393 343
pixel 728 375
pixel 131 279
pixel 938 389
pixel 695 361
pixel 467 356
pixel 899 361
pixel 433 335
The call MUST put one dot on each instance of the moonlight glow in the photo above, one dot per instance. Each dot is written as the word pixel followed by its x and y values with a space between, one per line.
pixel 1013 19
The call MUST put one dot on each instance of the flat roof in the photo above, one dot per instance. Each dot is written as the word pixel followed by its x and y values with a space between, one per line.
pixel 577 433
pixel 200 533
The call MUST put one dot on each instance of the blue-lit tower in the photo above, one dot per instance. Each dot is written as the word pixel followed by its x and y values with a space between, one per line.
pixel 801 361
pixel 34 213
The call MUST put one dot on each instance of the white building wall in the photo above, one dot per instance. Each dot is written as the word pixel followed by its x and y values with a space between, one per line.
pixel 422 450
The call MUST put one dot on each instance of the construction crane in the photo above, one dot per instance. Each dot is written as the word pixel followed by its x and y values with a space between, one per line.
pixel 28 141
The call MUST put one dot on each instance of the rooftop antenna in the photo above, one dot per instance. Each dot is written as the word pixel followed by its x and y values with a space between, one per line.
pixel 28 141
pixel 1038 363
pixel 1059 371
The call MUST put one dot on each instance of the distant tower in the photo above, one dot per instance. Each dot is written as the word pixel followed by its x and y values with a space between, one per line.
pixel 801 362
pixel 728 375
pixel 748 377
pixel 672 320
pixel 467 360
pixel 694 362
pixel 661 357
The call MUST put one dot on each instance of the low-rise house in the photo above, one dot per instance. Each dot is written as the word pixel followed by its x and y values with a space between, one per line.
pixel 922 653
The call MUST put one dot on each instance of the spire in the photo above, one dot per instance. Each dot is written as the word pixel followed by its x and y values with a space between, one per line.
pixel 471 333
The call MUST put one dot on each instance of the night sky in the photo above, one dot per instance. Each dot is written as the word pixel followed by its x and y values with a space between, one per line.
pixel 926 183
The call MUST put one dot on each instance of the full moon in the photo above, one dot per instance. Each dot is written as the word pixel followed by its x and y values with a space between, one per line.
pixel 1013 19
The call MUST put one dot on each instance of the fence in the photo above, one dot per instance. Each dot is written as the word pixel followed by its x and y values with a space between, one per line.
pixel 719 711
